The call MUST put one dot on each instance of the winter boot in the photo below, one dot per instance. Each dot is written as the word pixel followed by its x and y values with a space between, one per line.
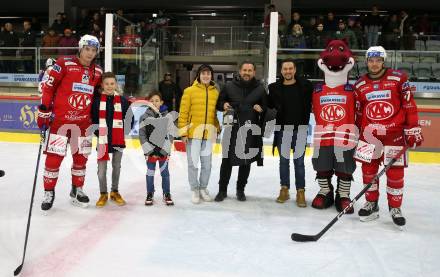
pixel 78 197
pixel 167 199
pixel 49 197
pixel 324 198
pixel 369 211
pixel 241 196
pixel 301 198
pixel 117 198
pixel 396 215
pixel 221 195
pixel 342 198
pixel 284 194
pixel 149 199
pixel 102 201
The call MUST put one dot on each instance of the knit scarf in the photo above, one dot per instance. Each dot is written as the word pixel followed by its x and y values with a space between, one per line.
pixel 117 138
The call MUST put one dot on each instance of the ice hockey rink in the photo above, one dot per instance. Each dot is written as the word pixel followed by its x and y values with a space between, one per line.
pixel 231 238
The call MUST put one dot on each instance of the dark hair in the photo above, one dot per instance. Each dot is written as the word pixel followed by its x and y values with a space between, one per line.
pixel 247 62
pixel 154 93
pixel 288 60
pixel 108 74
pixel 204 67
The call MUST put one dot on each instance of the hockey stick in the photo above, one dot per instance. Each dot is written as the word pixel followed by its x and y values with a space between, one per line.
pixel 303 238
pixel 19 268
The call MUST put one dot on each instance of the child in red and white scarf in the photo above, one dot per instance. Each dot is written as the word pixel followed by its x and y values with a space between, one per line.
pixel 108 111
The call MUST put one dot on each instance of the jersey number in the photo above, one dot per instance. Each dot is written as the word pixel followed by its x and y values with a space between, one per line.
pixel 49 81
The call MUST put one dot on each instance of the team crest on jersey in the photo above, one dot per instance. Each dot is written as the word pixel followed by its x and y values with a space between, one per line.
pixel 332 113
pixel 85 78
pixel 379 110
pixel 79 101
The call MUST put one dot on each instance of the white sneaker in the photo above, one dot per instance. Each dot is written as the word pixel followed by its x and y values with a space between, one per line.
pixel 195 197
pixel 204 195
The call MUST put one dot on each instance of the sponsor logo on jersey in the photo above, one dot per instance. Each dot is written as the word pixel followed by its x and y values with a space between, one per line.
pixel 376 86
pixel 388 84
pixel 332 99
pixel 79 101
pixel 84 88
pixel 73 69
pixel 332 113
pixel 394 78
pixel 397 73
pixel 56 68
pixel 378 95
pixel 379 110
pixel 70 63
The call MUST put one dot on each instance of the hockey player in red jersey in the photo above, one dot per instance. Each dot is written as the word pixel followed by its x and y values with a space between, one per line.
pixel 65 109
pixel 335 135
pixel 388 121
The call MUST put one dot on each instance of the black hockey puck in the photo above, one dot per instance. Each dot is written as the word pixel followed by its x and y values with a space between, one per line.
pixel 2 173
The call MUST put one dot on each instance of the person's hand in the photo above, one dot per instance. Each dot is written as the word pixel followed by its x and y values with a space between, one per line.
pixel 413 137
pixel 43 117
pixel 258 108
pixel 226 106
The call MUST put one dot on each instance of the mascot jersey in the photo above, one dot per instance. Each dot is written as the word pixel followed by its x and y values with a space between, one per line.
pixel 334 110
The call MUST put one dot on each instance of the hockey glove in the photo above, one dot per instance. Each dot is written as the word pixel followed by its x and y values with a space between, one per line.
pixel 413 137
pixel 43 118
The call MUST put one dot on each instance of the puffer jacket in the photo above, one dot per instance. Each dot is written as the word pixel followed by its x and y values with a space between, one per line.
pixel 197 117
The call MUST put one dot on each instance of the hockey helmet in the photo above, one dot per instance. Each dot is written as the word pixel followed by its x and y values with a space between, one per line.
pixel 376 51
pixel 88 40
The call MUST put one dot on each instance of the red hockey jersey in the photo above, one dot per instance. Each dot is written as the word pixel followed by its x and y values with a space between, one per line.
pixel 334 110
pixel 387 101
pixel 68 91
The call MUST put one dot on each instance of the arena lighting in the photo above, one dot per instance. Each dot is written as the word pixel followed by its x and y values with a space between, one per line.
pixel 10 17
pixel 213 14
pixel 154 15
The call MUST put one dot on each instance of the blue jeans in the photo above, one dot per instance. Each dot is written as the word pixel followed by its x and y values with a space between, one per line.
pixel 199 150
pixel 163 167
pixel 285 141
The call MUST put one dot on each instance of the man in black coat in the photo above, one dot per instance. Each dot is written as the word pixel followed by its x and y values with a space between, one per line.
pixel 244 99
pixel 291 96
pixel 28 40
pixel 171 93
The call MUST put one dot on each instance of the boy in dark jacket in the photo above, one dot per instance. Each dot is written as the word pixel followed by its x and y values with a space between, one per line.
pixel 156 143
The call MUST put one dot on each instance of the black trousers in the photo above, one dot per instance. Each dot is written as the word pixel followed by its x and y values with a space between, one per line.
pixel 225 175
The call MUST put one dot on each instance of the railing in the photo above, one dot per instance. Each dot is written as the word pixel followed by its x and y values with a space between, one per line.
pixel 212 41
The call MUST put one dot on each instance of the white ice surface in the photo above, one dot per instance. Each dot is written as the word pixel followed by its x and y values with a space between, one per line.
pixel 211 239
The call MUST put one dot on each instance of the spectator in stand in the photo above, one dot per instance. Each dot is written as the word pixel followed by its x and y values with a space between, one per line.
pixel 319 37
pixel 352 24
pixel 372 26
pixel 424 25
pixel 36 25
pixel 270 9
pixel 392 33
pixel 68 41
pixel 98 33
pixel 346 34
pixel 406 32
pixel 102 12
pixel 282 25
pixel 96 19
pixel 119 22
pixel 50 39
pixel 10 39
pixel 84 22
pixel 330 24
pixel 171 92
pixel 28 40
pixel 296 38
pixel 59 25
pixel 295 19
pixel 310 27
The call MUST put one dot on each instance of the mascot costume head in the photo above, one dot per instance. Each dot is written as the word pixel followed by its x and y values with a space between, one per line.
pixel 336 61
